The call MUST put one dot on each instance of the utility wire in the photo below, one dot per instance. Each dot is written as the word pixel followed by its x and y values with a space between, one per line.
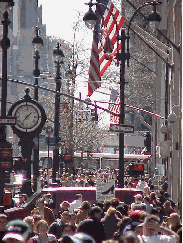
pixel 84 101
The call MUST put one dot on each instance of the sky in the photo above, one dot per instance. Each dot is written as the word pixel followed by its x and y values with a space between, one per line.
pixel 59 17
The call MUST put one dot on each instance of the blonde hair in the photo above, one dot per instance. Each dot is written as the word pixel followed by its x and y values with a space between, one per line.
pixel 110 211
pixel 152 195
pixel 65 203
pixel 41 222
pixel 174 219
pixel 167 205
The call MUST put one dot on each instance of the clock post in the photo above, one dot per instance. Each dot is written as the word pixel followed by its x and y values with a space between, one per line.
pixel 31 118
pixel 27 145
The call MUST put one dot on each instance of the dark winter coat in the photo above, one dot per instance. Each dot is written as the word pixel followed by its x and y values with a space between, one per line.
pixel 94 228
pixel 110 225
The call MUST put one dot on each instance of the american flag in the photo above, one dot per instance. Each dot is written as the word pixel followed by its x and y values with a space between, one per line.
pixel 104 46
pixel 114 106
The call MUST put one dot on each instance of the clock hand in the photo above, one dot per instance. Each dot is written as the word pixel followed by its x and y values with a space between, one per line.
pixel 27 116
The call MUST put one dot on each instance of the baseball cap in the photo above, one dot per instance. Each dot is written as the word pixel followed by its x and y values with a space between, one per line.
pixel 77 238
pixel 134 215
pixel 138 196
pixel 17 229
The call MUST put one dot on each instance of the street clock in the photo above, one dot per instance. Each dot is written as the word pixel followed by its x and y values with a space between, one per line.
pixel 30 116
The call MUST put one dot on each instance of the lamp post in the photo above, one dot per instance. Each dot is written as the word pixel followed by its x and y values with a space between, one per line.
pixel 37 43
pixel 59 56
pixel 90 19
pixel 5 44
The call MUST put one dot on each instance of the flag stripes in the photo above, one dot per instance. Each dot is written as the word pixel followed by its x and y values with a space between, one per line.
pixel 104 28
pixel 114 107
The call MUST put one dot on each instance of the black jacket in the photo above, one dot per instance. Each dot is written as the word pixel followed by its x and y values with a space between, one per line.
pixel 94 228
pixel 56 228
pixel 110 225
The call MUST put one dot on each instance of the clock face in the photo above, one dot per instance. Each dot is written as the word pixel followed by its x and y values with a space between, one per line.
pixel 28 116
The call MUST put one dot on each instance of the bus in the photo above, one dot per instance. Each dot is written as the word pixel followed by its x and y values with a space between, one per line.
pixel 97 160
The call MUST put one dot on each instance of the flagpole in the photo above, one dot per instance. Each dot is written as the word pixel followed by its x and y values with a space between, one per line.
pixel 122 57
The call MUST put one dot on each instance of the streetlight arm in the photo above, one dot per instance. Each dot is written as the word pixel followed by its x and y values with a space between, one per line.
pixel 154 3
pixel 103 5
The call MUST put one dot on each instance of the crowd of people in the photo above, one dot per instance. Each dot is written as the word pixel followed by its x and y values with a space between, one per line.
pixel 151 217
pixel 88 177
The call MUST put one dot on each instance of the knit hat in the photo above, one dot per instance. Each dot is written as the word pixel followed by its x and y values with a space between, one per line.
pixel 17 229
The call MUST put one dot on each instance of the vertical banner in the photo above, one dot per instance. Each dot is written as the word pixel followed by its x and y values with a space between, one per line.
pixel 105 186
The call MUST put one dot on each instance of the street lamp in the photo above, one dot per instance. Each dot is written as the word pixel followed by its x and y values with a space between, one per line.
pixel 5 44
pixel 37 43
pixel 59 57
pixel 90 21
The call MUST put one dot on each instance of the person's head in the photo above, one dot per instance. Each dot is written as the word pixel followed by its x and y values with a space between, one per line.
pixel 143 207
pixel 161 193
pixel 16 231
pixel 151 223
pixel 42 227
pixel 47 197
pixel 138 198
pixel 125 209
pixel 96 212
pixel 174 219
pixel 36 217
pixel 167 205
pixel 3 221
pixel 107 204
pixel 163 178
pixel 65 217
pixel 120 209
pixel 134 215
pixel 79 197
pixel 25 197
pixel 143 214
pixel 85 206
pixel 111 211
pixel 146 190
pixel 128 237
pixel 154 211
pixel 40 203
pixel 153 195
pixel 179 232
pixel 68 229
pixel 122 223
pixel 30 221
pixel 146 199
pixel 65 205
pixel 114 202
pixel 77 238
pixel 166 195
pixel 35 211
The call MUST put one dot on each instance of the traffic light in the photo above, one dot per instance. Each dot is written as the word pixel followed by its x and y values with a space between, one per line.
pixel 136 169
pixel 147 142
pixel 94 115
pixel 67 158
